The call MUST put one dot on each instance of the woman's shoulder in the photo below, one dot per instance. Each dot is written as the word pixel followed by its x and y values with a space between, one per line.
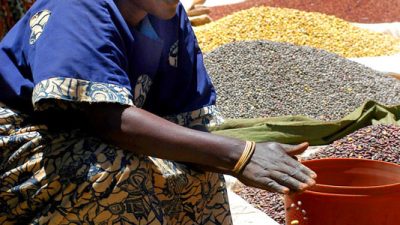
pixel 98 8
pixel 77 15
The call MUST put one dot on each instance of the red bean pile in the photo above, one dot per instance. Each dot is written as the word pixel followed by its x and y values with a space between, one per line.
pixel 362 11
pixel 378 142
pixel 269 203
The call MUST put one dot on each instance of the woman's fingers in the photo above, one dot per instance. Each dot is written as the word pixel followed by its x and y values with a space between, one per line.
pixel 294 175
pixel 300 167
pixel 263 180
pixel 290 182
pixel 303 177
pixel 307 171
pixel 274 186
pixel 295 149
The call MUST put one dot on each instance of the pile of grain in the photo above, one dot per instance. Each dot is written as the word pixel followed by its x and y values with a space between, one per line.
pixel 263 79
pixel 297 27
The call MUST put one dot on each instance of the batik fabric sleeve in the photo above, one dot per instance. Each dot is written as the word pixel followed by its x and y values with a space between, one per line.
pixel 78 54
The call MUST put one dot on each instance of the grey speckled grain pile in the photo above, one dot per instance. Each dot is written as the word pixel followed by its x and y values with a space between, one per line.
pixel 263 79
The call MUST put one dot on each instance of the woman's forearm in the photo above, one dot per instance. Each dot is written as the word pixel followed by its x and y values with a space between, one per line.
pixel 145 133
pixel 270 166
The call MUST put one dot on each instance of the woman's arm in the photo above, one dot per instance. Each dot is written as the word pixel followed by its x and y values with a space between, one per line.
pixel 144 133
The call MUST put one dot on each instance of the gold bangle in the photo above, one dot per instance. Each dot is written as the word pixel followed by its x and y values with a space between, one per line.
pixel 245 157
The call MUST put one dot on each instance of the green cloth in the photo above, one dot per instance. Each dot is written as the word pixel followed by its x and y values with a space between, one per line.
pixel 297 129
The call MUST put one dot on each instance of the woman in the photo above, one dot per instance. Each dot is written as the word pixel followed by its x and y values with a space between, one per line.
pixel 88 88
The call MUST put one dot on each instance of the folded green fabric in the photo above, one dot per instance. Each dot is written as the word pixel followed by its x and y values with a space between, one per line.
pixel 297 129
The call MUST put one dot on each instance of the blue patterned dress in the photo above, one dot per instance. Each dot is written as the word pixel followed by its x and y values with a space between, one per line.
pixel 65 53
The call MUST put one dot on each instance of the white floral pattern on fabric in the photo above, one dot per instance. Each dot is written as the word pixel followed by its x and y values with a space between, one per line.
pixel 37 24
pixel 71 90
pixel 173 55
pixel 142 87
pixel 207 116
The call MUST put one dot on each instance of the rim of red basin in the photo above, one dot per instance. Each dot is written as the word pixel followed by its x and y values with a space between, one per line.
pixel 352 190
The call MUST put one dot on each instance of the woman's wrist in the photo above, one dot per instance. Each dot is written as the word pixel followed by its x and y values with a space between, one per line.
pixel 234 154
pixel 245 158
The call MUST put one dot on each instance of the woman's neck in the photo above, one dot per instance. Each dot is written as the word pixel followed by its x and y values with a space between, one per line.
pixel 131 12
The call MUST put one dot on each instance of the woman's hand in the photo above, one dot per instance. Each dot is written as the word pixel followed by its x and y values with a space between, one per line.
pixel 273 168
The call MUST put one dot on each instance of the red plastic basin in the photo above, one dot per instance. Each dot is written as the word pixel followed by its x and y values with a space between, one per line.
pixel 348 192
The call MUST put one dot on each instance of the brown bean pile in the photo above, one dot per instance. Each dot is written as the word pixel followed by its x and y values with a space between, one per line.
pixel 377 142
pixel 362 11
pixel 380 142
pixel 269 203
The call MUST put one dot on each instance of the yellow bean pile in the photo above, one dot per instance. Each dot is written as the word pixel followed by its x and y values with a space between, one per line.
pixel 297 27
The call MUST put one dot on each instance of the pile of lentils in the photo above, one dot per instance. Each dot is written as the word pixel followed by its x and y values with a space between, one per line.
pixel 297 27
pixel 264 79
pixel 377 142
pixel 362 11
